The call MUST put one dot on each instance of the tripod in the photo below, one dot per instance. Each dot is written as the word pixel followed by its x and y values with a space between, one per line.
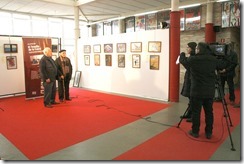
pixel 225 108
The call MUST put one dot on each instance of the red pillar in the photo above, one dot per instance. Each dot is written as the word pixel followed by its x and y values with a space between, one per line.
pixel 210 34
pixel 174 49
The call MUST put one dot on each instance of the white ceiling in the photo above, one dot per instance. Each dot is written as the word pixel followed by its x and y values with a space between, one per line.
pixel 94 11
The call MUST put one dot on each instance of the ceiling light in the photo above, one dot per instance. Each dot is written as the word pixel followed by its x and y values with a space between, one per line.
pixel 187 6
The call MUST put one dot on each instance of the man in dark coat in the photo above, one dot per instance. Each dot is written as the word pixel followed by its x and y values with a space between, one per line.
pixel 227 74
pixel 203 78
pixel 48 72
pixel 64 75
pixel 191 46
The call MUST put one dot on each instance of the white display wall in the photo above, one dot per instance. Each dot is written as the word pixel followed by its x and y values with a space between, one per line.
pixel 12 80
pixel 140 82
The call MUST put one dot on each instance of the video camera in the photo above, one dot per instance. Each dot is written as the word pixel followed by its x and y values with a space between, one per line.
pixel 219 50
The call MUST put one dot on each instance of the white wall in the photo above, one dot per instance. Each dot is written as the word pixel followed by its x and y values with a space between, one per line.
pixel 141 82
pixel 12 80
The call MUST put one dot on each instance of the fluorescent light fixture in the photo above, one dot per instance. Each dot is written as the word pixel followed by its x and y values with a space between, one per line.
pixel 222 0
pixel 145 13
pixel 82 2
pixel 118 18
pixel 187 6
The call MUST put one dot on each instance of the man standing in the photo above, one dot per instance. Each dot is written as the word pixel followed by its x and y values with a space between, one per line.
pixel 228 73
pixel 203 77
pixel 64 75
pixel 48 72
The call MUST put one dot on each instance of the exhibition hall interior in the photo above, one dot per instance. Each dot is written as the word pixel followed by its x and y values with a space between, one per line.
pixel 123 100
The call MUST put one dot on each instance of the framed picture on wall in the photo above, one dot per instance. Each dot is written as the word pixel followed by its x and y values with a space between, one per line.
pixel 97 48
pixel 136 61
pixel 108 60
pixel 121 60
pixel 154 62
pixel 154 46
pixel 97 60
pixel 121 47
pixel 136 46
pixel 10 48
pixel 108 48
pixel 55 48
pixel 87 59
pixel 87 49
pixel 77 79
pixel 11 62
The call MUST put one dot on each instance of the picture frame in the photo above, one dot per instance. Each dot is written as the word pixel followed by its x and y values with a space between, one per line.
pixel 97 60
pixel 11 62
pixel 121 47
pixel 77 79
pixel 154 62
pixel 136 47
pixel 121 60
pixel 87 49
pixel 55 48
pixel 154 46
pixel 108 48
pixel 10 48
pixel 108 60
pixel 136 61
pixel 97 48
pixel 87 60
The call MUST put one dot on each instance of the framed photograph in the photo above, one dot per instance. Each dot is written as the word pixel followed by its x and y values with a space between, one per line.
pixel 108 48
pixel 121 47
pixel 154 62
pixel 121 60
pixel 11 62
pixel 135 46
pixel 55 48
pixel 87 59
pixel 108 60
pixel 77 79
pixel 136 61
pixel 87 49
pixel 10 48
pixel 97 60
pixel 97 48
pixel 154 46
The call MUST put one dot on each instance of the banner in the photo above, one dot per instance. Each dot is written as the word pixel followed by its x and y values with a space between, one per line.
pixel 33 52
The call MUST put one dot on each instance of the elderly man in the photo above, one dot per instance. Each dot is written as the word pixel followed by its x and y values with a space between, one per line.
pixel 48 72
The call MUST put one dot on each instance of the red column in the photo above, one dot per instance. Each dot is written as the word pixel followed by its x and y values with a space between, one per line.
pixel 174 49
pixel 210 35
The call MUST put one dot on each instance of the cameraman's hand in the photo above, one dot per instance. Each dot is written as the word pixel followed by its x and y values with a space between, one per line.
pixel 222 71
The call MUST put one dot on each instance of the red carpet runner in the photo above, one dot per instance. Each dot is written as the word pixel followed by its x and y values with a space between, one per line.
pixel 37 131
pixel 176 144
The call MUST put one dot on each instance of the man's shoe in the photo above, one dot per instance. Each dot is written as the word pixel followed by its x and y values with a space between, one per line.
pixel 48 106
pixel 237 105
pixel 208 135
pixel 189 120
pixel 195 135
pixel 61 101
pixel 69 99
pixel 54 103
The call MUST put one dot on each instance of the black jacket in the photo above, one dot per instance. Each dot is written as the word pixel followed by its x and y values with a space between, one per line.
pixel 48 69
pixel 60 70
pixel 203 74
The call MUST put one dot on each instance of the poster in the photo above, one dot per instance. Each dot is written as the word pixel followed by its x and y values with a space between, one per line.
pixel 151 21
pixel 193 18
pixel 140 23
pixel 33 52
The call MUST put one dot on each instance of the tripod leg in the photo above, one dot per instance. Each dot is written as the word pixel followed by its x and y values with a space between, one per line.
pixel 187 109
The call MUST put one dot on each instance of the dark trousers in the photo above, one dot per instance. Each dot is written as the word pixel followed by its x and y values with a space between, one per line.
pixel 63 89
pixel 230 82
pixel 49 92
pixel 196 106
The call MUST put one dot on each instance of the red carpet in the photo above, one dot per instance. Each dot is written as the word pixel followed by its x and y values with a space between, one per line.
pixel 176 144
pixel 37 131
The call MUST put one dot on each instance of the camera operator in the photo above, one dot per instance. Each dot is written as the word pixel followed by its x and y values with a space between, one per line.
pixel 227 74
pixel 203 77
